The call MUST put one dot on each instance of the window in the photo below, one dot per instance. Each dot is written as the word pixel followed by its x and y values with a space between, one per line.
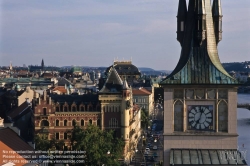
pixel 178 116
pixel 57 122
pixel 44 111
pixel 73 122
pixel 65 122
pixel 65 109
pixel 65 135
pixel 82 122
pixel 57 136
pixel 90 121
pixel 113 122
pixel 57 109
pixel 74 108
pixel 99 122
pixel 82 108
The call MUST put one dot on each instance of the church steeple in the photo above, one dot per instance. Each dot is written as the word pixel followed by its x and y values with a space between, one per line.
pixel 42 64
pixel 199 62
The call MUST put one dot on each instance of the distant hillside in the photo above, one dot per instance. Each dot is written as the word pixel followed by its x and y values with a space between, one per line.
pixel 145 69
pixel 237 66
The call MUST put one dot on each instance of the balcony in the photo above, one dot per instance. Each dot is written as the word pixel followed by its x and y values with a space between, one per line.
pixel 44 116
pixel 44 129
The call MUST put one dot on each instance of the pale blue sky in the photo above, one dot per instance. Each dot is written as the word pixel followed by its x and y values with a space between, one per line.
pixel 95 32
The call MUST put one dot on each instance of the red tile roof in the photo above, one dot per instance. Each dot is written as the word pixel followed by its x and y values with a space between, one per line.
pixel 141 91
pixel 11 142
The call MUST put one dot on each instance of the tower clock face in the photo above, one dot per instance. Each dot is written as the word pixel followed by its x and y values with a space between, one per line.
pixel 200 117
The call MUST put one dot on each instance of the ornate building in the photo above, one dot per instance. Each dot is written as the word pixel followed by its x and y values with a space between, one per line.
pixel 200 97
pixel 54 114
pixel 119 113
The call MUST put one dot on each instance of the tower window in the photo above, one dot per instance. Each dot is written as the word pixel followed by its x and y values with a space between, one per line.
pixel 182 26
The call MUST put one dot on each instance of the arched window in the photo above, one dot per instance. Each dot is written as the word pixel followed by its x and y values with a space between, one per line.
pixel 99 122
pixel 73 122
pixel 82 122
pixel 57 122
pixel 223 117
pixel 44 123
pixel 65 109
pixel 65 122
pixel 90 121
pixel 178 116
pixel 74 108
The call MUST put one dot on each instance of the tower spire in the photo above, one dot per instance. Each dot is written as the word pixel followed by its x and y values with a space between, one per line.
pixel 200 21
pixel 199 62
pixel 217 20
pixel 181 20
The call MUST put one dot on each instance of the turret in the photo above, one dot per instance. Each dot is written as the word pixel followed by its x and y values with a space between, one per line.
pixel 217 19
pixel 200 21
pixel 181 20
pixel 126 105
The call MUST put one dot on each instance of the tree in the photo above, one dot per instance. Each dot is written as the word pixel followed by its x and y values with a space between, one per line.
pixel 145 122
pixel 42 143
pixel 97 143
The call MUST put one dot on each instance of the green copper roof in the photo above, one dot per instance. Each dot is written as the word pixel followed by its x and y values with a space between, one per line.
pixel 199 64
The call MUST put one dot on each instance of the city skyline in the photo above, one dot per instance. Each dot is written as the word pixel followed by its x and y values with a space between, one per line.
pixel 94 33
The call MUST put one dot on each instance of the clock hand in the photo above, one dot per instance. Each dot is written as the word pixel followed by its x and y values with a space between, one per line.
pixel 199 118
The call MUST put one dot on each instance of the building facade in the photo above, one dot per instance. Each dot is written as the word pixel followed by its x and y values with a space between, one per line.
pixel 54 114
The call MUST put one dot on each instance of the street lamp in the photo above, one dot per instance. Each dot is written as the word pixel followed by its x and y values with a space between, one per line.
pixel 136 150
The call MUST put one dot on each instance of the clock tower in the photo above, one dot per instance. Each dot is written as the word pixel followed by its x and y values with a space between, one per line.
pixel 200 97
